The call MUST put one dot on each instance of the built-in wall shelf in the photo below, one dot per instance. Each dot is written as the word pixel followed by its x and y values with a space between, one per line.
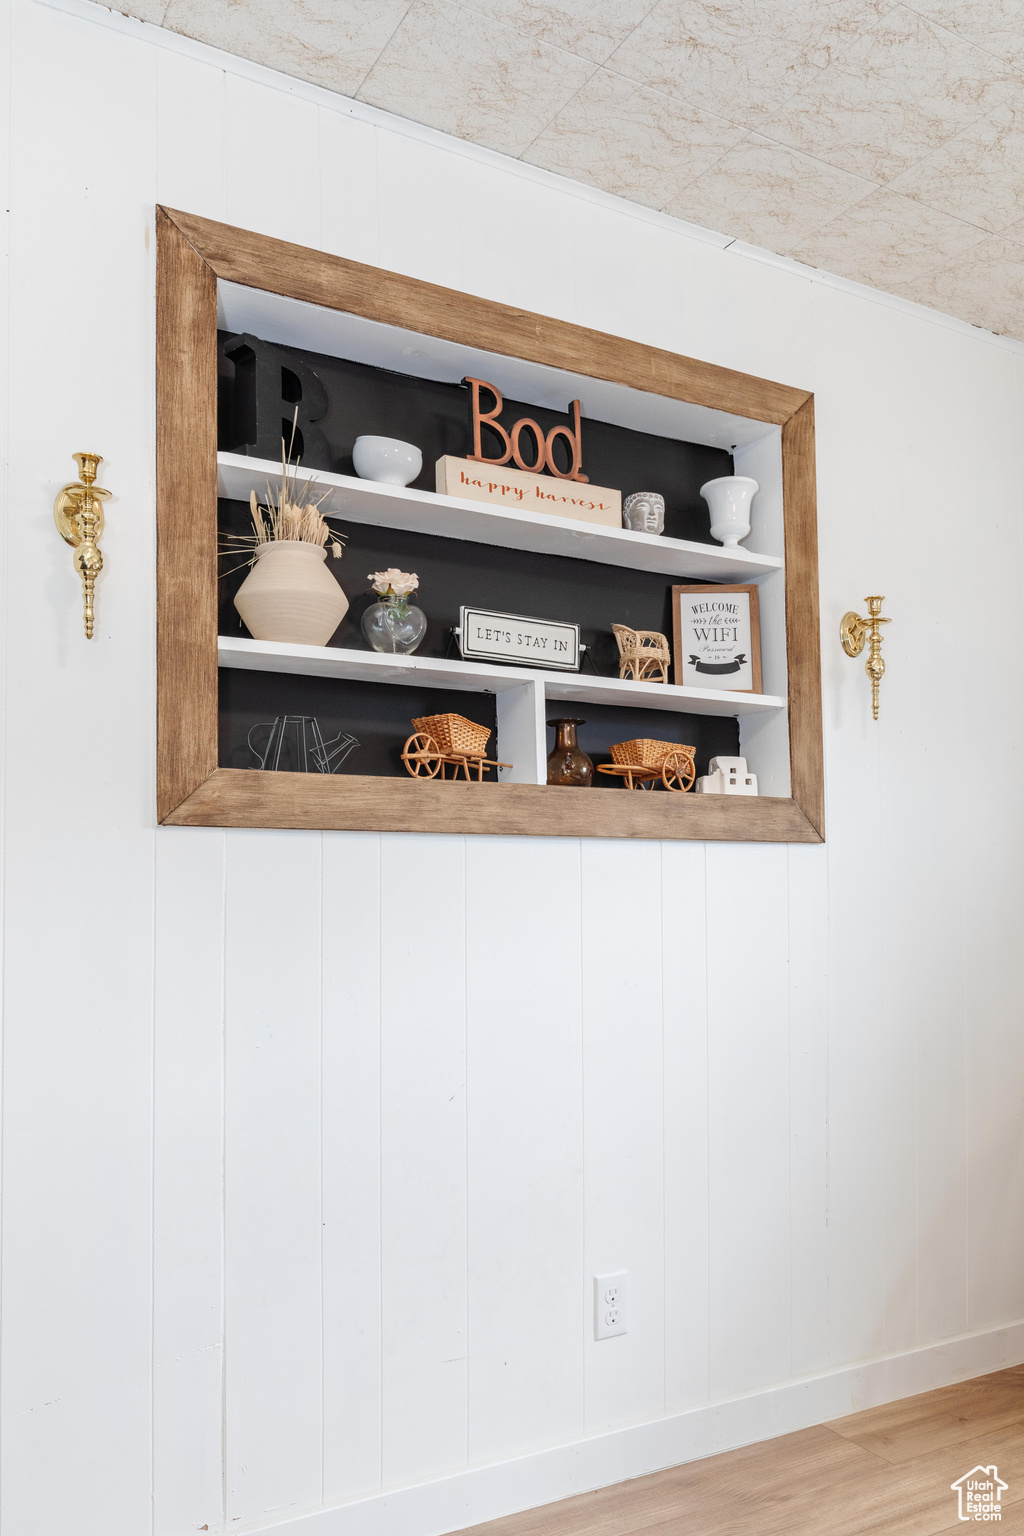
pixel 392 506
pixel 248 327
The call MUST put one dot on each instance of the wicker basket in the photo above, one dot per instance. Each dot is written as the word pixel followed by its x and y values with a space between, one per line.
pixel 455 735
pixel 645 753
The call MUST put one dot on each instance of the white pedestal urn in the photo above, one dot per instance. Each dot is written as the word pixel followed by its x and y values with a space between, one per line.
pixel 729 499
pixel 290 596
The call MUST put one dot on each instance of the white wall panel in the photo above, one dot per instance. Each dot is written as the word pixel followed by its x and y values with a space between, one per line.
pixel 900 518
pixel 856 1082
pixel 272 1175
pixel 637 279
pixel 423 1156
pixel 756 317
pixel 924 856
pixel 191 118
pixel 988 414
pixel 419 205
pixel 6 56
pixel 748 1116
pixel 517 241
pixel 525 1144
pixel 808 919
pixel 188 1197
pixel 348 186
pixel 685 1024
pixel 355 884
pixel 851 532
pixel 623 1123
pixel 272 162
pixel 303 1195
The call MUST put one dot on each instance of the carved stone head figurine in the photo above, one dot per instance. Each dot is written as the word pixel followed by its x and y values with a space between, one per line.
pixel 644 512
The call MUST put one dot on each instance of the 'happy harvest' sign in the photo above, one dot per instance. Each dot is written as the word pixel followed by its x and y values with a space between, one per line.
pixel 526 492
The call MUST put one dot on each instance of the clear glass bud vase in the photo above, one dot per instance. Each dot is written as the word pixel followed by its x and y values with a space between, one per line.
pixel 395 626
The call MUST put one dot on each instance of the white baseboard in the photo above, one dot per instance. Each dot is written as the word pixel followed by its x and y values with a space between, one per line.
pixel 481 1493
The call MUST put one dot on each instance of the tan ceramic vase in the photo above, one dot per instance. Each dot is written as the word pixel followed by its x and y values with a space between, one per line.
pixel 289 595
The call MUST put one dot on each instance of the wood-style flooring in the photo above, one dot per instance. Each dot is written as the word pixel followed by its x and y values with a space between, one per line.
pixel 886 1470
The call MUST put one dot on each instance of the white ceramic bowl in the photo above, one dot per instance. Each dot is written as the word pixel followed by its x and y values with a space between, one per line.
pixel 387 460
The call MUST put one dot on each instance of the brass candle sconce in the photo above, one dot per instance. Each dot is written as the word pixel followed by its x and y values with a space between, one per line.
pixel 78 513
pixel 853 631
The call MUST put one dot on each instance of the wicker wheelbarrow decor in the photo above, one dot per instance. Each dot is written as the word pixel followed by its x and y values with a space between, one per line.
pixel 643 763
pixel 443 741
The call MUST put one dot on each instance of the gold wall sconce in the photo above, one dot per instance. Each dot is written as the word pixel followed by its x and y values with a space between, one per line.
pixel 853 631
pixel 78 513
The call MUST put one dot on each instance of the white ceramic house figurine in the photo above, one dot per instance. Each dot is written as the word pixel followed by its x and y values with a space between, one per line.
pixel 729 499
pixel 727 776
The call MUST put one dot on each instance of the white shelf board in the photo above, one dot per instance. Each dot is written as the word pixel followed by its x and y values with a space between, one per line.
pixel 474 677
pixel 393 506
pixel 585 688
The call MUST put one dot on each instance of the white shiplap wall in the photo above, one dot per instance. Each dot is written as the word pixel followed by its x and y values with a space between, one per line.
pixel 313 1143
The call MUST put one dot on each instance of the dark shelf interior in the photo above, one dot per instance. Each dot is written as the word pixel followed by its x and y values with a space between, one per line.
pixel 353 398
pixel 380 716
pixel 357 399
pixel 454 571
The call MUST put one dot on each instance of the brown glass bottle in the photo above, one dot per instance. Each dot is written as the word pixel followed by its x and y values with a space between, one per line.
pixel 568 763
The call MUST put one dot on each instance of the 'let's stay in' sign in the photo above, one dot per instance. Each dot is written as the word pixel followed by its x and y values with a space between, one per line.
pixel 488 636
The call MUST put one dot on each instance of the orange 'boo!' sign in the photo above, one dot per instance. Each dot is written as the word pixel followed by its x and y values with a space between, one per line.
pixel 543 447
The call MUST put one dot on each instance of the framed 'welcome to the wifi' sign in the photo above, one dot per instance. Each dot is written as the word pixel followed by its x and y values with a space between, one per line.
pixel 717 635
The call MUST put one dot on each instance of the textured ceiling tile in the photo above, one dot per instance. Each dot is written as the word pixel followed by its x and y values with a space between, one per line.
pixel 978 176
pixel 330 42
pixel 985 287
pixel 146 10
pixel 630 140
pixel 446 67
pixel 886 238
pixel 739 58
pixel 591 28
pixel 996 25
pixel 768 195
pixel 898 93
pixel 763 119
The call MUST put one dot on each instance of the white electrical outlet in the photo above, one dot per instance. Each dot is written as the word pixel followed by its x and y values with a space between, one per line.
pixel 611 1298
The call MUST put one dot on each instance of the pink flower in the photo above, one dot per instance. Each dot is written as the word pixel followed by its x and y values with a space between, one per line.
pixel 393 582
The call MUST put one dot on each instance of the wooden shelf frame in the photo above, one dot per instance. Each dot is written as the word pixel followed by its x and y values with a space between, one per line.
pixel 192 790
